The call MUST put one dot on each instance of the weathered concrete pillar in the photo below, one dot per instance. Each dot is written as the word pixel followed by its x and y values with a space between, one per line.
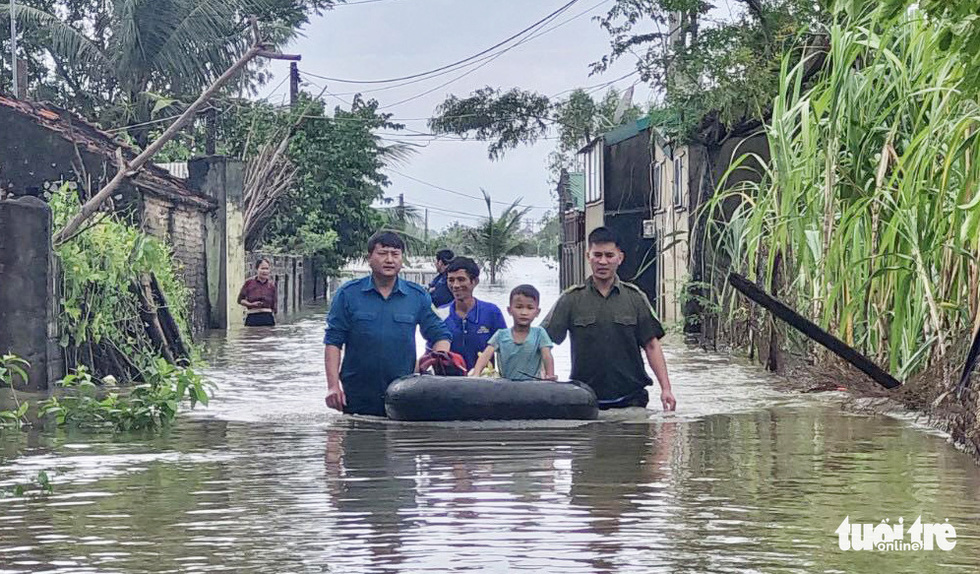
pixel 28 300
pixel 223 179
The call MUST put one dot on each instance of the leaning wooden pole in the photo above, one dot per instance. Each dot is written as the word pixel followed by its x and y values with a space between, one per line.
pixel 971 363
pixel 130 169
pixel 811 330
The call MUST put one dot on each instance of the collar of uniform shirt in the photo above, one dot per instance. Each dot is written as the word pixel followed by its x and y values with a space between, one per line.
pixel 399 285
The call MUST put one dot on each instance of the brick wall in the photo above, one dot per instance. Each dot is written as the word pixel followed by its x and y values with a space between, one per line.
pixel 182 227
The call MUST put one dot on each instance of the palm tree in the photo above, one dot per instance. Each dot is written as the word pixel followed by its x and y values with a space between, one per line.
pixel 495 241
pixel 408 222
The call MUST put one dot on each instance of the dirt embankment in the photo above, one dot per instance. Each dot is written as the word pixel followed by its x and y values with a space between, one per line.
pixel 930 395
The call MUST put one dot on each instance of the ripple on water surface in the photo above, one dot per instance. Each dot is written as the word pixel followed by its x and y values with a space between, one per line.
pixel 742 479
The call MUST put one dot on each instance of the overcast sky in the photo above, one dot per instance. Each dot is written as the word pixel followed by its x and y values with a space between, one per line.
pixel 383 39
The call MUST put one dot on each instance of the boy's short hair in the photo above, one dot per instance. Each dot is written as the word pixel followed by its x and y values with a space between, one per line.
pixel 385 239
pixel 526 290
pixel 604 235
pixel 464 264
pixel 445 255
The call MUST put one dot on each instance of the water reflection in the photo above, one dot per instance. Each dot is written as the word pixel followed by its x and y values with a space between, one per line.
pixel 757 491
pixel 743 479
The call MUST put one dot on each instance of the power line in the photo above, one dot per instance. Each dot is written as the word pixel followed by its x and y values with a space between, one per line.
pixel 489 60
pixel 462 214
pixel 460 193
pixel 594 88
pixel 491 56
pixel 458 62
pixel 167 119
pixel 443 85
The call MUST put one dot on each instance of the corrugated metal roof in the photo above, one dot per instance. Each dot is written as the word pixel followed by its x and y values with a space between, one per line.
pixel 176 169
pixel 626 131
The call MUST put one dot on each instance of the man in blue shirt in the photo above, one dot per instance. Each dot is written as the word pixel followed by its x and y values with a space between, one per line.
pixel 439 287
pixel 472 322
pixel 373 320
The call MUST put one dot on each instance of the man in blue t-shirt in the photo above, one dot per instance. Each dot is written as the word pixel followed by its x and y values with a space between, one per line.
pixel 439 287
pixel 472 322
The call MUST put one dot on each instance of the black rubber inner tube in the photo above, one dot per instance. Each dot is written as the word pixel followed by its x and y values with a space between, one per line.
pixel 435 398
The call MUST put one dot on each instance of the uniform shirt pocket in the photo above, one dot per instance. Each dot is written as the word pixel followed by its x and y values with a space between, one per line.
pixel 583 320
pixel 365 316
pixel 404 322
pixel 629 320
pixel 403 318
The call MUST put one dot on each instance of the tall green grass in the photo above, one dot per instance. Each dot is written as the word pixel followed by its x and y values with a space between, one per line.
pixel 870 200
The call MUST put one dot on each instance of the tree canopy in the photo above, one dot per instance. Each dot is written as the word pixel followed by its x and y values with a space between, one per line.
pixel 496 240
pixel 722 68
pixel 519 117
pixel 123 62
pixel 338 160
pixel 707 64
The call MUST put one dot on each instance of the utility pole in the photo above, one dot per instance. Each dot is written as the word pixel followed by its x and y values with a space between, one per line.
pixel 401 210
pixel 13 46
pixel 293 83
pixel 211 130
pixel 427 225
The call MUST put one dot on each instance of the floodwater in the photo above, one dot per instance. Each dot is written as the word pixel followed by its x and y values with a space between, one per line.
pixel 743 478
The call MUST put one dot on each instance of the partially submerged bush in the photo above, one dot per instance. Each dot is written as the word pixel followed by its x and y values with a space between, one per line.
pixel 100 311
pixel 149 405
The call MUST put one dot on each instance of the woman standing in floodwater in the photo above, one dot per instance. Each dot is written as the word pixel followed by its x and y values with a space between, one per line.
pixel 259 297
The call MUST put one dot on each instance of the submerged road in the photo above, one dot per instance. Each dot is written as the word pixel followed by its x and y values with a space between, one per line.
pixel 742 478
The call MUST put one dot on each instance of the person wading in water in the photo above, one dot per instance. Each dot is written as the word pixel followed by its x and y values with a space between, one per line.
pixel 610 322
pixel 259 297
pixel 472 322
pixel 373 320
pixel 439 287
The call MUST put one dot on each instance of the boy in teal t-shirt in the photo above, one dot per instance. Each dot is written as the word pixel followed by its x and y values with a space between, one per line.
pixel 521 350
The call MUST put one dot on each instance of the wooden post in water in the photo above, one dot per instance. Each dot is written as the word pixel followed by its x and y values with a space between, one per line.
pixel 811 330
pixel 971 362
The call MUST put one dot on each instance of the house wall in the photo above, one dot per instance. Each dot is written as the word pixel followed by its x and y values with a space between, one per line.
pixel 183 228
pixel 593 171
pixel 645 178
pixel 38 157
pixel 627 190
pixel 595 216
pixel 28 293
pixel 671 221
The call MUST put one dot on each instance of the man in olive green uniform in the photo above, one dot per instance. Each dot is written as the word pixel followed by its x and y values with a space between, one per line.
pixel 610 322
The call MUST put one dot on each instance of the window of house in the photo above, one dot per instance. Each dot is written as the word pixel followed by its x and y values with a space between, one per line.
pixel 593 175
pixel 678 182
pixel 658 185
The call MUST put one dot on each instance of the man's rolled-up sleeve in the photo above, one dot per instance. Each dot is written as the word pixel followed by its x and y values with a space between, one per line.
pixel 647 325
pixel 433 328
pixel 338 321
pixel 557 321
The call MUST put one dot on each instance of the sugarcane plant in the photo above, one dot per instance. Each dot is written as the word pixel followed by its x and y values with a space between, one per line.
pixel 869 209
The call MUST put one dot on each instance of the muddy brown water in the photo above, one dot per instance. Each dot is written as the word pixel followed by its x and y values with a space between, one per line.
pixel 743 478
